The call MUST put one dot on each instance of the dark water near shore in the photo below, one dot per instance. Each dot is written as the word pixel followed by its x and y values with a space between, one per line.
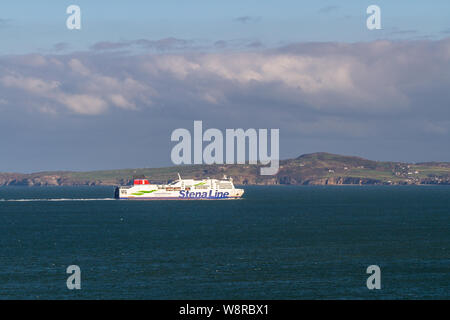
pixel 277 243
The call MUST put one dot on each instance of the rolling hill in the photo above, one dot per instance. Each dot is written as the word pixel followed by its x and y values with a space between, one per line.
pixel 309 169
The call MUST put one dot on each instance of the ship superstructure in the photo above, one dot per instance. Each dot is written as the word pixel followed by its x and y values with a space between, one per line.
pixel 181 189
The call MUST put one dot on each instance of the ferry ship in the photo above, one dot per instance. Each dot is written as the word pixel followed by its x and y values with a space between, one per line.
pixel 181 189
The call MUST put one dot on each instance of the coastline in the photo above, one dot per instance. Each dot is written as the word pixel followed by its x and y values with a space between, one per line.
pixel 310 169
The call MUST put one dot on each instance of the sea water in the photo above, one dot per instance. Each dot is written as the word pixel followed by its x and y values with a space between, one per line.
pixel 278 242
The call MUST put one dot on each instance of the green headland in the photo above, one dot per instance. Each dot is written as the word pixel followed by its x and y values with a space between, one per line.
pixel 309 169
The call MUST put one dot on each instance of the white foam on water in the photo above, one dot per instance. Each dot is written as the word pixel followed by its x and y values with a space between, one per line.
pixel 56 200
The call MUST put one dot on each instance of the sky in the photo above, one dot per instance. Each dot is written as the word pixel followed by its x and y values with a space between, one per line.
pixel 109 95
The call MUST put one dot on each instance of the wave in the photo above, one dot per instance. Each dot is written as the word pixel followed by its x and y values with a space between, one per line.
pixel 56 200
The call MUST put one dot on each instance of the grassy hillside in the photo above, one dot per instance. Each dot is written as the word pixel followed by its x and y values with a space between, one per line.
pixel 315 169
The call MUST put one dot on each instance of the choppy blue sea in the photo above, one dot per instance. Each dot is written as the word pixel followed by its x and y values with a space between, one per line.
pixel 280 242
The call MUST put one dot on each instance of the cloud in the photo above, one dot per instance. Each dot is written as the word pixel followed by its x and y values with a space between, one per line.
pixel 255 44
pixel 360 80
pixel 247 19
pixel 29 84
pixel 236 44
pixel 349 98
pixel 438 127
pixel 174 45
pixel 5 23
pixel 61 46
pixel 221 44
pixel 328 9
pixel 106 45
pixel 82 103
pixel 69 84
pixel 166 44
pixel 78 67
pixel 403 32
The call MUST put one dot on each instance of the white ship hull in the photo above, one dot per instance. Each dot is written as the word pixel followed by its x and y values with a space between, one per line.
pixel 183 189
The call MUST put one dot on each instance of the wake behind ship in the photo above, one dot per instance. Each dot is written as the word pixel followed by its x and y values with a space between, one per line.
pixel 182 189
